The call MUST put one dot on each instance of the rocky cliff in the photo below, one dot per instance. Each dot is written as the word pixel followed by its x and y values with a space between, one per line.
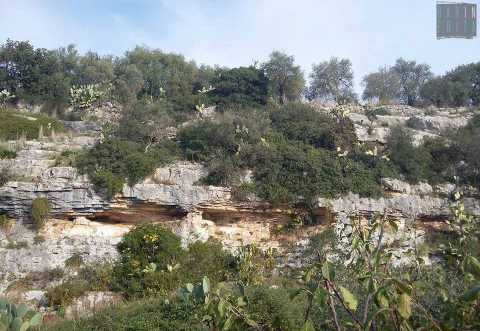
pixel 88 224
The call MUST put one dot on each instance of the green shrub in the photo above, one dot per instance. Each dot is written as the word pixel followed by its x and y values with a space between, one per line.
pixel 152 261
pixel 243 87
pixel 7 154
pixel 64 294
pixel 296 121
pixel 112 163
pixel 66 159
pixel 144 250
pixel 372 113
pixel 40 211
pixel 413 162
pixel 140 315
pixel 274 309
pixel 74 261
pixel 289 172
pixel 207 259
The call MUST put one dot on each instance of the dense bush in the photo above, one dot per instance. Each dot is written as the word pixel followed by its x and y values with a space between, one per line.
pixel 438 159
pixel 152 261
pixel 301 122
pixel 141 315
pixel 413 162
pixel 113 162
pixel 243 87
pixel 7 154
pixel 288 172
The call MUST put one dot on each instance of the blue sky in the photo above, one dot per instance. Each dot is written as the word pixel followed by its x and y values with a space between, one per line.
pixel 371 33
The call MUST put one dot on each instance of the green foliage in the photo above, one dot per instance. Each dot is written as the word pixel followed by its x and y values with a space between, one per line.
pixel 166 76
pixel 412 78
pixel 13 125
pixel 64 294
pixel 74 261
pixel 17 318
pixel 301 122
pixel 222 307
pixel 88 277
pixel 238 87
pixel 332 81
pixel 254 265
pixel 382 86
pixel 113 162
pixel 285 79
pixel 152 261
pixel 274 308
pixel 40 211
pixel 289 172
pixel 413 162
pixel 141 315
pixel 7 154
pixel 84 97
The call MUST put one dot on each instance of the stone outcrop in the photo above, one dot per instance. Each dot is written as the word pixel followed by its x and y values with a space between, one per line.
pixel 421 122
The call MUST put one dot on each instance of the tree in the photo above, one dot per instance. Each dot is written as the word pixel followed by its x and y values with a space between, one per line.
pixel 285 78
pixel 438 91
pixel 165 75
pixel 383 86
pixel 466 88
pixel 332 81
pixel 412 78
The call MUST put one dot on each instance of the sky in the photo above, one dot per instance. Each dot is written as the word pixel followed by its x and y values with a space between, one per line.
pixel 371 33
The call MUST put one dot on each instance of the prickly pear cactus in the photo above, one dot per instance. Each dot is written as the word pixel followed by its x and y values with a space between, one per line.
pixel 17 318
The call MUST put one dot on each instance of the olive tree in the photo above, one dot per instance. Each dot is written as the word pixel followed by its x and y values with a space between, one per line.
pixel 285 78
pixel 413 77
pixel 382 86
pixel 332 81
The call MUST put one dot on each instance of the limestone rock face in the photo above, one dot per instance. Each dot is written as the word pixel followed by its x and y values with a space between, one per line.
pixel 87 223
pixel 422 123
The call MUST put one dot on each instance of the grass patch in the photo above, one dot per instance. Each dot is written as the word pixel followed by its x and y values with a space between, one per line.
pixel 14 125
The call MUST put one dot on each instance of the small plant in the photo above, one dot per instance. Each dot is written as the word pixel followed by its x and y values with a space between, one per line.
pixel 254 264
pixel 64 294
pixel 38 240
pixel 4 222
pixel 222 309
pixel 17 244
pixel 5 176
pixel 40 211
pixel 17 318
pixel 74 261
